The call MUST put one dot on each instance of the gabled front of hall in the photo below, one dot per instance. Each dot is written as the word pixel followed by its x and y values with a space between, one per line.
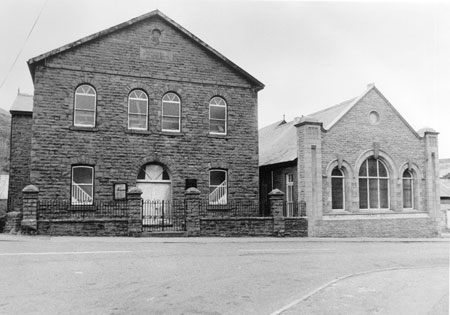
pixel 359 167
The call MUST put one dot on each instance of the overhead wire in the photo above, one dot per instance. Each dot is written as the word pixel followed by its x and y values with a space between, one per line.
pixel 23 46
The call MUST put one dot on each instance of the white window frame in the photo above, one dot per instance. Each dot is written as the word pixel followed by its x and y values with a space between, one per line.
pixel 378 177
pixel 85 90
pixel 215 186
pixel 342 176
pixel 91 184
pixel 166 99
pixel 138 98
pixel 412 189
pixel 218 101
pixel 289 195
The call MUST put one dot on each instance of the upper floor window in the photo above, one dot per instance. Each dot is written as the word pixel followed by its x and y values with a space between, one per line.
pixel 82 192
pixel 337 189
pixel 137 110
pixel 85 106
pixel 218 187
pixel 217 116
pixel 171 112
pixel 373 185
pixel 408 190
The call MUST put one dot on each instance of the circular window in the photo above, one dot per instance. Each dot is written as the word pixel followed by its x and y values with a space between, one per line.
pixel 374 118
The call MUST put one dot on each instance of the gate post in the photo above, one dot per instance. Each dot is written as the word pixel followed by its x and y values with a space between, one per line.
pixel 276 209
pixel 134 205
pixel 192 198
pixel 30 201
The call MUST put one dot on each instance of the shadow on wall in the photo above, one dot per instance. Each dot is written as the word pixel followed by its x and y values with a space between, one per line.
pixel 3 204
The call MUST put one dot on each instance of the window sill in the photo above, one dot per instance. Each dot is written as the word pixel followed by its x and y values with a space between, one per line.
pixel 224 208
pixel 171 133
pixel 88 129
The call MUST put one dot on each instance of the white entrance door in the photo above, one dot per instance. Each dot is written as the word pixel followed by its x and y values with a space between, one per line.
pixel 154 181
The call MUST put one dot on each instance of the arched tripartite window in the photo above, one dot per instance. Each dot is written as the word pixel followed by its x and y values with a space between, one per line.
pixel 137 110
pixel 373 185
pixel 217 116
pixel 408 190
pixel 337 189
pixel 171 105
pixel 85 106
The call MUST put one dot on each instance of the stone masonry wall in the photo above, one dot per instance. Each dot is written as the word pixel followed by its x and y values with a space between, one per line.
pixel 353 135
pixel 19 171
pixel 114 66
pixel 398 227
pixel 236 227
pixel 96 227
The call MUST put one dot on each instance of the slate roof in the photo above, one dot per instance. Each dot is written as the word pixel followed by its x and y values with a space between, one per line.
pixel 22 103
pixel 156 13
pixel 278 144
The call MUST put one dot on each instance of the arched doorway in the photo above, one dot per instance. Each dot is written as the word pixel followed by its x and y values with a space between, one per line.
pixel 154 181
pixel 158 211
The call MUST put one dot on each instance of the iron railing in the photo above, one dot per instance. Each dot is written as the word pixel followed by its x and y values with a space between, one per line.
pixel 292 209
pixel 233 208
pixel 161 215
pixel 64 209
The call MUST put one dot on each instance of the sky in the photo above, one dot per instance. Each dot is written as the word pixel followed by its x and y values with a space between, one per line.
pixel 309 55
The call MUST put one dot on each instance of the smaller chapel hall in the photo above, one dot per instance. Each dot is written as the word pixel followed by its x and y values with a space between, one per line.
pixel 358 167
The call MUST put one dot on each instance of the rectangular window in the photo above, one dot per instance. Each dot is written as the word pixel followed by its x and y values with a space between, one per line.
pixel 218 187
pixel 363 193
pixel 82 192
pixel 289 195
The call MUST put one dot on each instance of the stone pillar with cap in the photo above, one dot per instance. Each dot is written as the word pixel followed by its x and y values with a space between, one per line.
pixel 192 197
pixel 134 205
pixel 309 166
pixel 30 203
pixel 276 198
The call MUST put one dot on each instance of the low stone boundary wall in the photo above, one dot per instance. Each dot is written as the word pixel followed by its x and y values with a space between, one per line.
pixel 397 225
pixel 83 227
pixel 236 226
pixel 296 227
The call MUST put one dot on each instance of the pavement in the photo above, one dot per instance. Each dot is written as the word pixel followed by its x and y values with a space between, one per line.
pixel 221 276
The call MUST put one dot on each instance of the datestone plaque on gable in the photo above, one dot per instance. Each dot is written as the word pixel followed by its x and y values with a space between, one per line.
pixel 156 54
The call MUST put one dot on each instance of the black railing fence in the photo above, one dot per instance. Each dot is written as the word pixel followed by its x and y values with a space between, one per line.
pixel 160 215
pixel 234 208
pixel 294 209
pixel 63 209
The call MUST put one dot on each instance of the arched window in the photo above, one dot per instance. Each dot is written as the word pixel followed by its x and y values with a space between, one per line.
pixel 85 106
pixel 171 112
pixel 337 189
pixel 217 116
pixel 373 185
pixel 153 172
pixel 408 190
pixel 218 187
pixel 137 110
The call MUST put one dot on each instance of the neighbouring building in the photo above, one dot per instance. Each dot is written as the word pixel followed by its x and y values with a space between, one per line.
pixel 361 169
pixel 144 103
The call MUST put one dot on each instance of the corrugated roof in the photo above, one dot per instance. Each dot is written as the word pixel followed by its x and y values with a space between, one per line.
pixel 23 103
pixel 277 143
pixel 4 180
pixel 33 61
pixel 444 185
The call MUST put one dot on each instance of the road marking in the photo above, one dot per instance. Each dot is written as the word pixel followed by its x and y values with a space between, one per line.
pixel 277 250
pixel 67 253
pixel 307 296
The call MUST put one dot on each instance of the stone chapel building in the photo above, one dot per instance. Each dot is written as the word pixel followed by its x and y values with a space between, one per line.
pixel 144 103
pixel 361 169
